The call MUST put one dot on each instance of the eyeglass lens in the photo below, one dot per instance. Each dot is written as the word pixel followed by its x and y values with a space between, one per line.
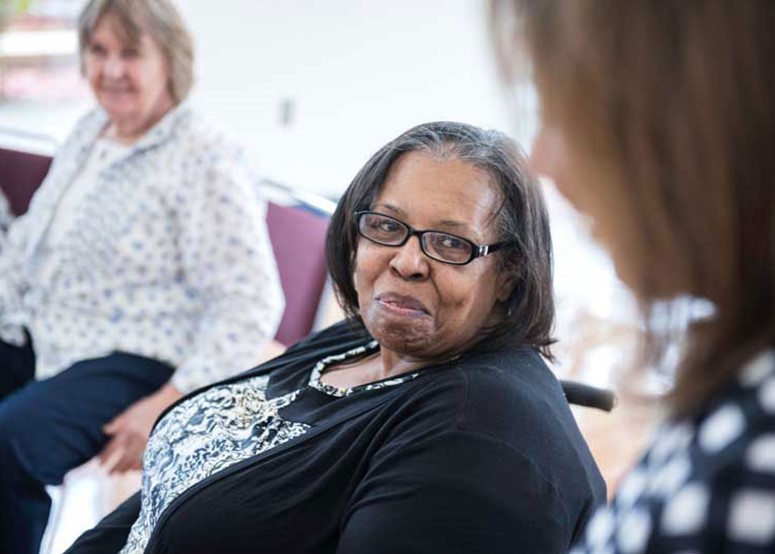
pixel 392 232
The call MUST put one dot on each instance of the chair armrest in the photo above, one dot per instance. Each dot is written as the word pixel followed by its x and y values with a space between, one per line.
pixel 589 396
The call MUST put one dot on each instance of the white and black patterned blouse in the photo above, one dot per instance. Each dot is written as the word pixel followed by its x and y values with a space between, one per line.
pixel 476 454
pixel 167 257
pixel 219 428
pixel 703 486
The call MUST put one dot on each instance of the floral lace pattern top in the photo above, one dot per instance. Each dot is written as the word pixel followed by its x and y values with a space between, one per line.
pixel 218 428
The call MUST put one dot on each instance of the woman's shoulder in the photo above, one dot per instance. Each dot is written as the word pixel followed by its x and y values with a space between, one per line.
pixel 92 120
pixel 517 379
pixel 502 405
pixel 512 397
pixel 85 130
pixel 192 128
pixel 501 393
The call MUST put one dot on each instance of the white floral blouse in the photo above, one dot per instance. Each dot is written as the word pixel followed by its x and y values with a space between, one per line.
pixel 6 217
pixel 168 257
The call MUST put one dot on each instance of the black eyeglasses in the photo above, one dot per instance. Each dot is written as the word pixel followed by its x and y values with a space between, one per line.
pixel 437 245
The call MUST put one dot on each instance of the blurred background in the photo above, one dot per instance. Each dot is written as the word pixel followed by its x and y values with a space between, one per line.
pixel 312 89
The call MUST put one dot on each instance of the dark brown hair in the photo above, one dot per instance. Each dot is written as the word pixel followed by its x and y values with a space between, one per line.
pixel 163 24
pixel 521 219
pixel 676 102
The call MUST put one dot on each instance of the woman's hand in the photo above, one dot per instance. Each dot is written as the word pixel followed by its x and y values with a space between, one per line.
pixel 129 431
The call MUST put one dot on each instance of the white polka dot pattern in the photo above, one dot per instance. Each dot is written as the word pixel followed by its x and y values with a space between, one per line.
pixel 633 533
pixel 691 490
pixel 758 369
pixel 767 395
pixel 752 517
pixel 600 528
pixel 672 439
pixel 721 428
pixel 631 488
pixel 687 511
pixel 761 454
pixel 168 258
pixel 671 476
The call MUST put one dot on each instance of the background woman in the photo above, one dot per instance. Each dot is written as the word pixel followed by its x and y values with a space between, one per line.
pixel 427 422
pixel 141 271
pixel 659 122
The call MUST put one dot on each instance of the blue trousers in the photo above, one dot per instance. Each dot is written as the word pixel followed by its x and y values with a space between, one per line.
pixel 49 427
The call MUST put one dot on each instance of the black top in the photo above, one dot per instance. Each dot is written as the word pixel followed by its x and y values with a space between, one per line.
pixel 480 454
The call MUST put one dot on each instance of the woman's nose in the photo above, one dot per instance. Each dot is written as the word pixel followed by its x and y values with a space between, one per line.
pixel 114 67
pixel 409 260
pixel 549 153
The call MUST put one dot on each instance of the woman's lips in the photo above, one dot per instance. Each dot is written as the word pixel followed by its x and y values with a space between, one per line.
pixel 405 305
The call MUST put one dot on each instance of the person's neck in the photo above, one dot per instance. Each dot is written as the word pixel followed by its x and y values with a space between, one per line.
pixel 124 133
pixel 130 130
pixel 392 364
pixel 383 364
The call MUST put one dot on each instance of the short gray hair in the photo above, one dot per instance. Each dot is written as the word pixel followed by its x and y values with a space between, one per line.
pixel 161 20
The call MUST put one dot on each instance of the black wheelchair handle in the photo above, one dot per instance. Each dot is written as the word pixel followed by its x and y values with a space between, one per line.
pixel 587 395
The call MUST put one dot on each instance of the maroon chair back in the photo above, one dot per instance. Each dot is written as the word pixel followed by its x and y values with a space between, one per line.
pixel 298 238
pixel 20 175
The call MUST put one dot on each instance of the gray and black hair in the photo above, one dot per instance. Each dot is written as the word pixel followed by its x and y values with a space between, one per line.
pixel 521 220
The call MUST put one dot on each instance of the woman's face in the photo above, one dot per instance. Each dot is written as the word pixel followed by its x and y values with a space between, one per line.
pixel 131 82
pixel 585 183
pixel 412 305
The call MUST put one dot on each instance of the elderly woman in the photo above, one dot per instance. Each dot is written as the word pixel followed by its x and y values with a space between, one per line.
pixel 427 422
pixel 141 271
pixel 659 122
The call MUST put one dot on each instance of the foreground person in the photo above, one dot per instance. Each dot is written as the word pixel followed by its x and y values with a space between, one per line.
pixel 426 422
pixel 659 123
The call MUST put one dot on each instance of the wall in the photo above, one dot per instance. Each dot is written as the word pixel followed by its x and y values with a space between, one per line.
pixel 314 88
pixel 355 74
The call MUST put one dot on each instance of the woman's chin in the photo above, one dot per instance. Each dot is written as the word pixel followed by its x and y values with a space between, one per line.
pixel 117 108
pixel 401 333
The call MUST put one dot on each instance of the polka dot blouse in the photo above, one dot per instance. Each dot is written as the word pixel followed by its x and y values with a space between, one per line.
pixel 705 486
pixel 167 257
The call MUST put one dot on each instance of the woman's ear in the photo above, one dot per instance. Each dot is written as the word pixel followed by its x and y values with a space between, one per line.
pixel 506 282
